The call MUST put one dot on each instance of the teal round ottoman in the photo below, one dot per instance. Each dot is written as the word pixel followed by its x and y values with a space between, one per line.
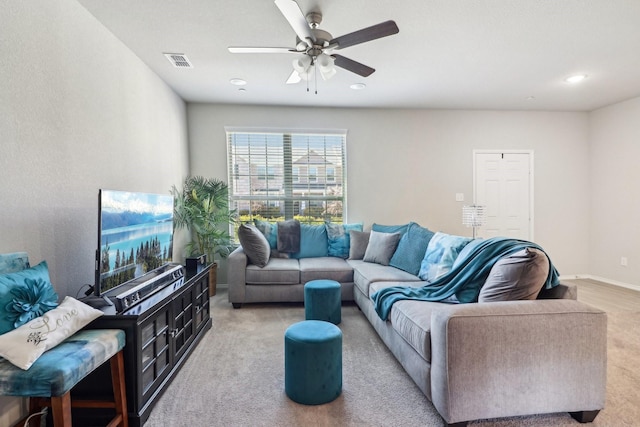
pixel 322 301
pixel 313 362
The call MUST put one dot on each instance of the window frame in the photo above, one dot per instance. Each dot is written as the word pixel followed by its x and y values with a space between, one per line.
pixel 286 187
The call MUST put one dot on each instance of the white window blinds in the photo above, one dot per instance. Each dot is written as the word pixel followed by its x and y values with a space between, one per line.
pixel 277 176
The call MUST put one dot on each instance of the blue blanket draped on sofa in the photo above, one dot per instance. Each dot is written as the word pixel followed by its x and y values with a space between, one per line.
pixel 464 280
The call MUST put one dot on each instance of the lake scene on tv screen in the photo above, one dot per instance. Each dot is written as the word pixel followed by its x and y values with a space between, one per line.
pixel 136 235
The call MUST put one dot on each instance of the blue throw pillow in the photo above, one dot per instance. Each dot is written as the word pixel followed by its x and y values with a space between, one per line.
pixel 411 249
pixel 270 231
pixel 401 229
pixel 25 295
pixel 442 251
pixel 313 241
pixel 338 238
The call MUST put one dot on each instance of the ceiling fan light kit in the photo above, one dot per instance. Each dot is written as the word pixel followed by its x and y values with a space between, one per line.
pixel 316 46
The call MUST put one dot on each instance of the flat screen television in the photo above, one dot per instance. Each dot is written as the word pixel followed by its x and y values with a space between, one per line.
pixel 135 236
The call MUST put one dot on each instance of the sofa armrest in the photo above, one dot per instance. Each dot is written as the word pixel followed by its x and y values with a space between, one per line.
pixel 516 358
pixel 236 275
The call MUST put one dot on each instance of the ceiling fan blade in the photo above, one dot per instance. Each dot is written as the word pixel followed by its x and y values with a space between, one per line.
pixel 353 66
pixel 236 49
pixel 383 29
pixel 294 78
pixel 298 22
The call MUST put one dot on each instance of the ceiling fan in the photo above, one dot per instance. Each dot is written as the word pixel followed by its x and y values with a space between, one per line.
pixel 315 47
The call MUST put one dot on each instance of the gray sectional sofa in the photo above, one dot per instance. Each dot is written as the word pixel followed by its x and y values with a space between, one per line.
pixel 473 361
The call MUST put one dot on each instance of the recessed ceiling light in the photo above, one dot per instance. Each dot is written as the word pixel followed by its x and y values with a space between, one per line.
pixel 358 86
pixel 238 82
pixel 575 79
pixel 242 90
pixel 530 98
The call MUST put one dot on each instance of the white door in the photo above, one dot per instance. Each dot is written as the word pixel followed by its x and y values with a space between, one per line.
pixel 503 184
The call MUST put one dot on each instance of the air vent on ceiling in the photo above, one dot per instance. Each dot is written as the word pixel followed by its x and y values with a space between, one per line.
pixel 178 60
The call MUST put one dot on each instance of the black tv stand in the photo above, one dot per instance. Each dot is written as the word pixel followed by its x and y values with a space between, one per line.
pixel 158 342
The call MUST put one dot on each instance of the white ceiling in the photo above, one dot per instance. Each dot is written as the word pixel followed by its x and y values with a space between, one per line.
pixel 451 54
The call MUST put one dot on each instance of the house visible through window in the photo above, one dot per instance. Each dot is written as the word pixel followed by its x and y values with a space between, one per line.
pixel 278 176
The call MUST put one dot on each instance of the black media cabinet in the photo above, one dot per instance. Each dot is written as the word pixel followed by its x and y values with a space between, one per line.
pixel 159 341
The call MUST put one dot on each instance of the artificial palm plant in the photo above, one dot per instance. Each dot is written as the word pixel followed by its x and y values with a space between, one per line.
pixel 202 206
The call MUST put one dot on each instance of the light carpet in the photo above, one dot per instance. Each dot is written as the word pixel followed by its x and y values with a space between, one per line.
pixel 235 377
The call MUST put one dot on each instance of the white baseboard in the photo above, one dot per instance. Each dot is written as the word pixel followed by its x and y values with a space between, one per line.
pixel 601 279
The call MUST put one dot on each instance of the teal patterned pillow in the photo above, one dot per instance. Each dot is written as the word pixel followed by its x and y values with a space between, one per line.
pixel 442 251
pixel 338 238
pixel 25 295
pixel 16 261
pixel 270 231
pixel 411 249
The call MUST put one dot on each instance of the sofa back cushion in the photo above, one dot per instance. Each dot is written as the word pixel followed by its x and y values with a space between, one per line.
pixel 411 249
pixel 519 276
pixel 401 228
pixel 313 241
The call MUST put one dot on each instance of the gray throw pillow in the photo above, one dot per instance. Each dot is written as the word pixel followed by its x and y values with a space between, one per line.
pixel 255 244
pixel 381 247
pixel 358 241
pixel 288 240
pixel 519 276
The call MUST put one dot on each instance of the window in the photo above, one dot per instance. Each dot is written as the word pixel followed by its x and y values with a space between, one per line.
pixel 277 176
pixel 331 174
pixel 313 174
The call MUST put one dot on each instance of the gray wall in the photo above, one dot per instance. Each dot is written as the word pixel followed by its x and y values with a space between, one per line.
pixel 615 205
pixel 407 165
pixel 78 112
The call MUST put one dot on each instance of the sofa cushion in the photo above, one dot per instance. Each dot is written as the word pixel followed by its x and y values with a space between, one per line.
pixel 254 244
pixel 411 249
pixel 442 251
pixel 338 238
pixel 331 268
pixel 358 242
pixel 279 271
pixel 518 276
pixel 412 321
pixel 313 241
pixel 365 273
pixel 390 228
pixel 270 231
pixel 381 247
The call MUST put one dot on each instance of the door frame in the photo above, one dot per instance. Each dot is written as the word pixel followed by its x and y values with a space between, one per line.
pixel 531 178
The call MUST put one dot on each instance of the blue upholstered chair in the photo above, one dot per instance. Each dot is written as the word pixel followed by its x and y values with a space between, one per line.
pixel 49 380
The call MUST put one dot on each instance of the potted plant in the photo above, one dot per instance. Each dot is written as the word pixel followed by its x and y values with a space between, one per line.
pixel 202 207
